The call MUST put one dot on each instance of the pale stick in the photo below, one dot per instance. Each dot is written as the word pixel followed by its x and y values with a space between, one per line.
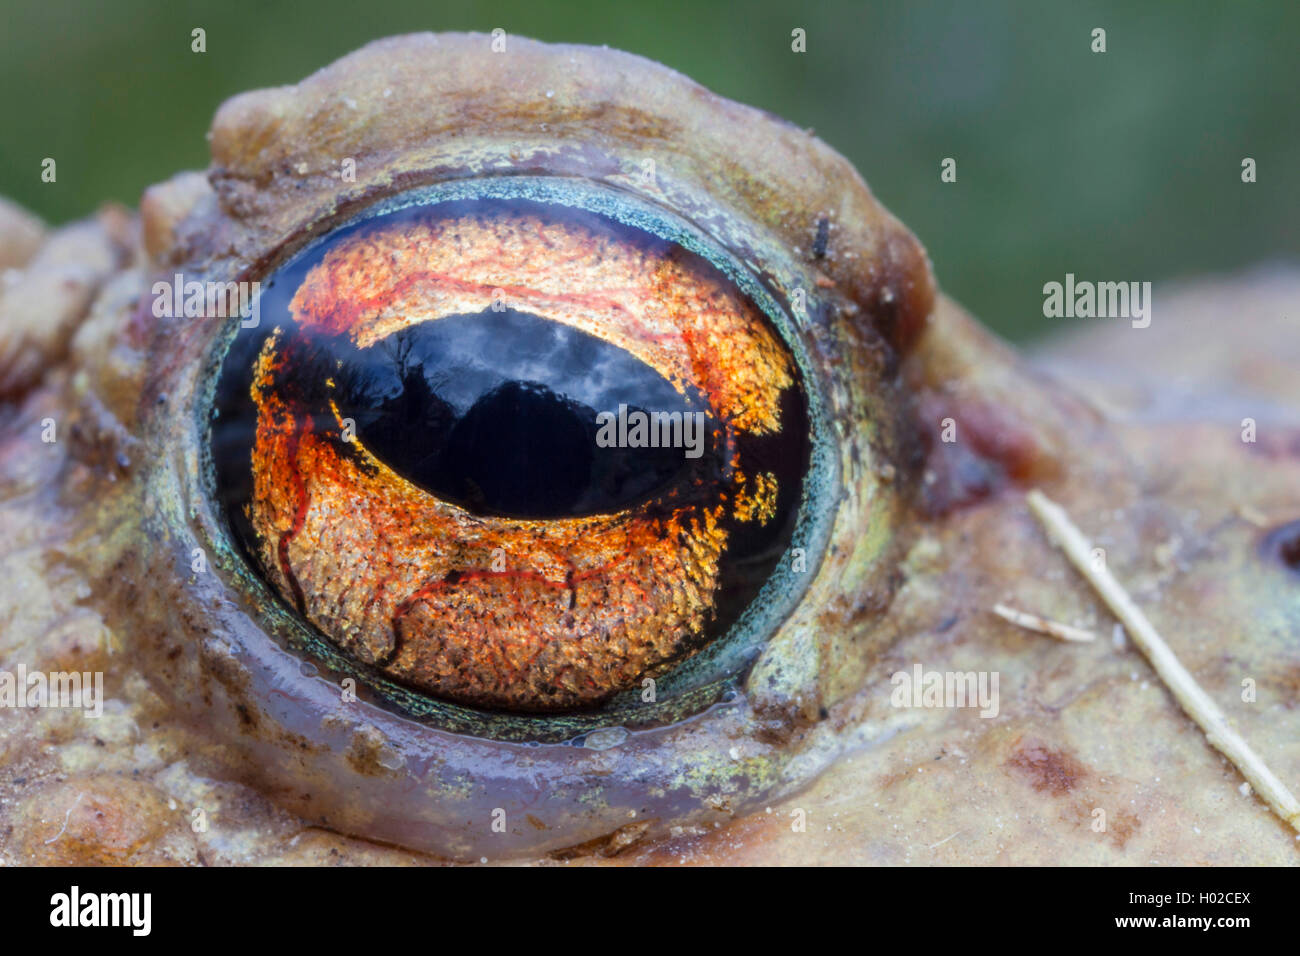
pixel 1181 684
pixel 1032 622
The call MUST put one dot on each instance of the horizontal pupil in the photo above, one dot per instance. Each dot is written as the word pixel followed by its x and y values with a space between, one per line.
pixel 501 413
pixel 636 389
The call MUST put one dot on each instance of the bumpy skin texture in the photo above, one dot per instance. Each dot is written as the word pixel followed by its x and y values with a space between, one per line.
pixel 206 711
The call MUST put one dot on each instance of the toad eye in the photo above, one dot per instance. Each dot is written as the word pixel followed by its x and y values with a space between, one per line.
pixel 519 446
pixel 453 575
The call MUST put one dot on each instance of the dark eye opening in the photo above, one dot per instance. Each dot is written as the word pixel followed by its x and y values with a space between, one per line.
pixel 501 413
pixel 481 428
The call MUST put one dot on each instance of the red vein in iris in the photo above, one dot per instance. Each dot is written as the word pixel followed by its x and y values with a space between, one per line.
pixel 303 500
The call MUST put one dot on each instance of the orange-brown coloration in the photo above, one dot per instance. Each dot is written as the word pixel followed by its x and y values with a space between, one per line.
pixel 651 302
pixel 491 611
pixel 207 708
pixel 1048 770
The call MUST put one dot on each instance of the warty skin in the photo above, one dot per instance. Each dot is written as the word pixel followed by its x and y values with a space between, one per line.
pixel 211 718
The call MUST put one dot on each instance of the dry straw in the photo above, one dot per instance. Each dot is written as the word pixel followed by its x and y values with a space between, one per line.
pixel 1181 684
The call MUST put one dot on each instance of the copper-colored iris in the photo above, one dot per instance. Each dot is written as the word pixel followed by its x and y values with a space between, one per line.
pixel 511 612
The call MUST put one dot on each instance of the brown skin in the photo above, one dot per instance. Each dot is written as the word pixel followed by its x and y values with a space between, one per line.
pixel 927 536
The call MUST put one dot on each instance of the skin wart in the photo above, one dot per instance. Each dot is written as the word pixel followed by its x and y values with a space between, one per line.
pixel 213 749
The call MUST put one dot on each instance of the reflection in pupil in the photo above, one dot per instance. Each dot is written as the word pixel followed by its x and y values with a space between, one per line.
pixel 521 449
pixel 498 413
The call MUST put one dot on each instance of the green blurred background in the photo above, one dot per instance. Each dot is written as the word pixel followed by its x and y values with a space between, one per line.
pixel 1120 166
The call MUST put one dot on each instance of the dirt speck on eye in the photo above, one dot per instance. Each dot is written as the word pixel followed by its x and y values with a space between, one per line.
pixel 247 718
pixel 612 844
pixel 1047 770
pixel 371 754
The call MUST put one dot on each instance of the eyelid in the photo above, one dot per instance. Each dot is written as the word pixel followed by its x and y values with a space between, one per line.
pixel 406 125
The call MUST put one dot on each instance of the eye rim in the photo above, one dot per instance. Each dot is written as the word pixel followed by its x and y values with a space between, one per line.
pixel 758 185
pixel 712 676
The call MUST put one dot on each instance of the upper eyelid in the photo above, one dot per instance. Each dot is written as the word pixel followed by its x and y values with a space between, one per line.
pixel 794 185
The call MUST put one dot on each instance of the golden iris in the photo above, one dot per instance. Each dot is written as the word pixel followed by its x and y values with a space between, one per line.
pixel 508 453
